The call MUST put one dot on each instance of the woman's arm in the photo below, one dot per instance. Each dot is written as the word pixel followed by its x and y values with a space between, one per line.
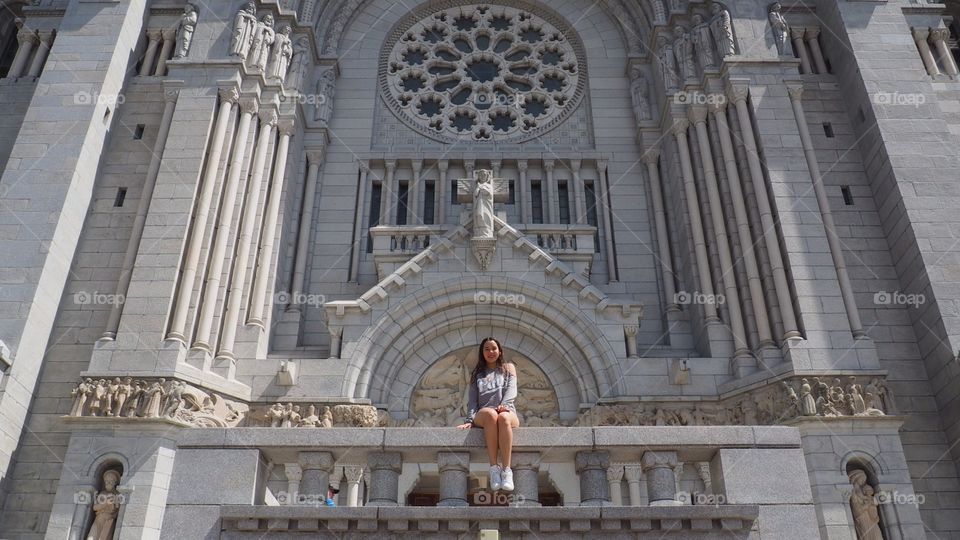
pixel 510 393
pixel 474 397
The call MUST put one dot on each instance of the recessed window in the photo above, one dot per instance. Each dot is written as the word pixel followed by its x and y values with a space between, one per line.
pixel 138 132
pixel 121 196
pixel 847 196
pixel 828 129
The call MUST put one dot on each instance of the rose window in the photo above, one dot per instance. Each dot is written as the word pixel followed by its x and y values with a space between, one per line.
pixel 483 72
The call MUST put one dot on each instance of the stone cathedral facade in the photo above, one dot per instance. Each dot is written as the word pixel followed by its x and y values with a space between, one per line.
pixel 247 254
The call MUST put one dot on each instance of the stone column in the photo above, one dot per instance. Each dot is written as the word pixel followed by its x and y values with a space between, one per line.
pixel 592 470
pixel 218 247
pixel 454 472
pixel 169 39
pixel 698 115
pixel 113 323
pixel 441 206
pixel 796 34
pixel 630 332
pixel 43 49
pixel 651 157
pixel 604 208
pixel 353 475
pixel 658 467
pixel 387 194
pixel 552 202
pixel 580 206
pixel 795 89
pixel 747 249
pixel 26 38
pixel 632 474
pixel 244 241
pixel 679 129
pixel 266 261
pixel 523 191
pixel 415 217
pixel 614 477
pixel 358 221
pixel 294 476
pixel 526 467
pixel 384 470
pixel 939 38
pixel 920 36
pixel 146 67
pixel 738 94
pixel 317 467
pixel 228 97
pixel 314 159
pixel 812 36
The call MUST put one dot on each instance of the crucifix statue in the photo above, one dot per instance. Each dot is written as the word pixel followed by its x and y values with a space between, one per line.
pixel 483 191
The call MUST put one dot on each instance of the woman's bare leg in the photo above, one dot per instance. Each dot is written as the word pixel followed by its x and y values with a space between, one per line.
pixel 487 419
pixel 506 421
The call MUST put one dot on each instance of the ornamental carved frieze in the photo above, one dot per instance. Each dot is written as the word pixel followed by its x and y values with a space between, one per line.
pixel 170 400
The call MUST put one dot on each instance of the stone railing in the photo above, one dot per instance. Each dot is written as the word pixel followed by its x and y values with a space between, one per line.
pixel 403 239
pixel 562 239
pixel 742 468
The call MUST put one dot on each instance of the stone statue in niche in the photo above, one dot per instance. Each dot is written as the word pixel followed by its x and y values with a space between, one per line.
pixel 779 26
pixel 721 25
pixel 298 62
pixel 106 506
pixel 244 28
pixel 683 50
pixel 702 42
pixel 863 504
pixel 185 28
pixel 483 205
pixel 326 86
pixel 282 54
pixel 667 65
pixel 262 41
pixel 640 94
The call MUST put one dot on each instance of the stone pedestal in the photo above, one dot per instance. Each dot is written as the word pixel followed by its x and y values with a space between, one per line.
pixel 315 478
pixel 661 477
pixel 526 467
pixel 384 470
pixel 592 469
pixel 454 471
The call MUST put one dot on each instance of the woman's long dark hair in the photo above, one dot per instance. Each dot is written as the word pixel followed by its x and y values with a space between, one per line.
pixel 482 363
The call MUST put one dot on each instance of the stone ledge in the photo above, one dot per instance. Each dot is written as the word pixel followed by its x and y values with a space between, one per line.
pixel 690 521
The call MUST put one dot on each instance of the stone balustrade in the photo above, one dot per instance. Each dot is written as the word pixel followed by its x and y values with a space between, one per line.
pixel 403 239
pixel 747 464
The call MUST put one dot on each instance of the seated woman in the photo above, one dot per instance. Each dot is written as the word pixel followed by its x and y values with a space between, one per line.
pixel 493 387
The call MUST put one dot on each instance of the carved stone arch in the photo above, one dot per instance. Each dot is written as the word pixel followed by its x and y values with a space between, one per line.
pixel 341 13
pixel 873 465
pixel 102 462
pixel 549 320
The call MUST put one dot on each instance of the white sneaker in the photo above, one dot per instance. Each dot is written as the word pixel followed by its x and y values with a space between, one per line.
pixel 507 479
pixel 495 480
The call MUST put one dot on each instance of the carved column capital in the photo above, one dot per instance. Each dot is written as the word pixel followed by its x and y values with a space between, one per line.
pixel 168 34
pixel 316 460
pixel 921 34
pixel 268 117
pixel 737 92
pixel 353 473
pixel 286 126
pixel 939 34
pixel 797 32
pixel 443 165
pixel 27 34
pixel 575 164
pixel 697 114
pixel 632 472
pixel 46 36
pixel 795 89
pixel 522 165
pixel 364 166
pixel 249 106
pixel 717 103
pixel 315 157
pixel 615 473
pixel 293 471
pixel 630 330
pixel 812 32
pixel 154 34
pixel 417 165
pixel 679 126
pixel 229 94
pixel 391 165
pixel 549 164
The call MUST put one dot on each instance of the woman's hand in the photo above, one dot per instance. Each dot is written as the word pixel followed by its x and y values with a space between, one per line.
pixel 467 425
pixel 502 408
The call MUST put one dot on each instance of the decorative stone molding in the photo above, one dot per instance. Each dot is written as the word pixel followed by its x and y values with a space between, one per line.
pixel 302 415
pixel 487 72
pixel 142 399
